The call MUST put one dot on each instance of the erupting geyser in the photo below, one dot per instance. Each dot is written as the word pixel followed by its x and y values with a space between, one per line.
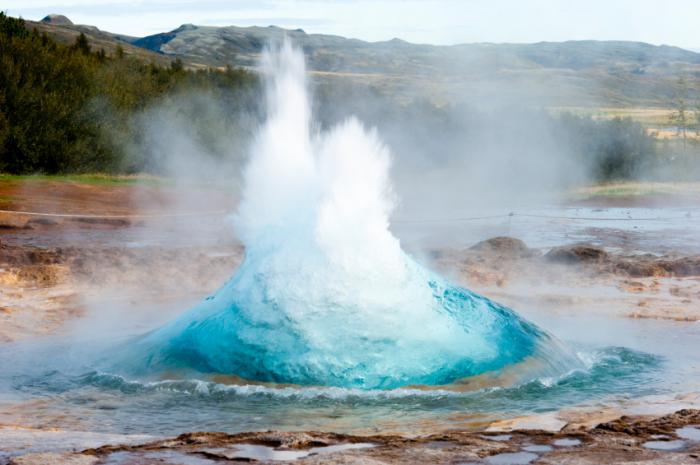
pixel 325 295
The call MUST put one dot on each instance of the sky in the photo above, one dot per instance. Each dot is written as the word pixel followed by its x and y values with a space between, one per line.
pixel 673 22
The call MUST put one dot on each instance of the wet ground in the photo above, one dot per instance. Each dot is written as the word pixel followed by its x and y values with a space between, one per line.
pixel 671 439
pixel 618 281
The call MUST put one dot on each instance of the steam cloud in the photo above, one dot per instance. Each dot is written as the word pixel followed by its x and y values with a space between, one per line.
pixel 325 294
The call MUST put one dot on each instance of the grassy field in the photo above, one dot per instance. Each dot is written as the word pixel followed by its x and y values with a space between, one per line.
pixel 649 117
pixel 90 178
pixel 625 189
pixel 622 188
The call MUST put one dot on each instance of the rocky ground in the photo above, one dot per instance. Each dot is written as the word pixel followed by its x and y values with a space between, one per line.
pixel 579 277
pixel 670 439
pixel 53 268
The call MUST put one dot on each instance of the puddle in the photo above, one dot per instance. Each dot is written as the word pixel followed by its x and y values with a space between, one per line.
pixel 498 437
pixel 691 433
pixel 664 445
pixel 537 448
pixel 258 452
pixel 567 442
pixel 514 458
pixel 171 456
pixel 438 444
pixel 20 441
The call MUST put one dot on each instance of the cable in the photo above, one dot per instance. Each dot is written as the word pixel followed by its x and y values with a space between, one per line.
pixel 533 215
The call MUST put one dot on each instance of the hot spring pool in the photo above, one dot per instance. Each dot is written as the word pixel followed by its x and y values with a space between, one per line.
pixel 51 395
pixel 347 331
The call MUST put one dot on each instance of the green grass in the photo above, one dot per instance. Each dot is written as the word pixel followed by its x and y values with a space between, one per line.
pixel 91 178
pixel 7 199
pixel 632 188
pixel 649 117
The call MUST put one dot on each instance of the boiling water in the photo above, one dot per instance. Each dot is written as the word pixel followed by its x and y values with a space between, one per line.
pixel 325 295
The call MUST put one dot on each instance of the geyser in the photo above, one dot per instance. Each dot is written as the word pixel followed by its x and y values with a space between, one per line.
pixel 325 295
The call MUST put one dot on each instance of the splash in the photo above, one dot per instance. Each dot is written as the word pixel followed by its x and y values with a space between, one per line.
pixel 325 295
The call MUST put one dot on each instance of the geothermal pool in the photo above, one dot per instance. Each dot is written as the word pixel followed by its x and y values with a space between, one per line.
pixel 629 360
pixel 329 325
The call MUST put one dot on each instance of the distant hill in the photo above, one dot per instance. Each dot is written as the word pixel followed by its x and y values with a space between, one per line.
pixel 62 29
pixel 57 20
pixel 576 73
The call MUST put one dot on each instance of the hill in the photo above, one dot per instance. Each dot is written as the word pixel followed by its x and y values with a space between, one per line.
pixel 576 73
pixel 589 74
pixel 63 31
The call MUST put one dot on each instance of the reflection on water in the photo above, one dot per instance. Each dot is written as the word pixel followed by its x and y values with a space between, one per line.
pixel 512 458
pixel 664 445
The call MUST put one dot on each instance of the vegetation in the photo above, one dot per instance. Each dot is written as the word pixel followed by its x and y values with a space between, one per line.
pixel 87 178
pixel 67 109
pixel 508 137
pixel 681 117
pixel 635 188
pixel 620 148
pixel 61 107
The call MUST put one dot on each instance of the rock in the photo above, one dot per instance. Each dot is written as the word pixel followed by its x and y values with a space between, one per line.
pixel 18 256
pixel 620 440
pixel 14 221
pixel 43 275
pixel 49 458
pixel 579 253
pixel 504 246
pixel 686 266
pixel 650 265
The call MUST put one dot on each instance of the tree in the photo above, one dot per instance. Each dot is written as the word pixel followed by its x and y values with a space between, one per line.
pixel 12 27
pixel 681 117
pixel 69 109
pixel 82 44
pixel 176 65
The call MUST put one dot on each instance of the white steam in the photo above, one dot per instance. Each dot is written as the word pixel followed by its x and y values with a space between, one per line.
pixel 328 191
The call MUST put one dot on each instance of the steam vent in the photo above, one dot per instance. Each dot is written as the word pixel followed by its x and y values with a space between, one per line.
pixel 325 295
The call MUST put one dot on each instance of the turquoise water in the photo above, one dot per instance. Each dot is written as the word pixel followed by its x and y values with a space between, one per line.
pixel 62 382
pixel 246 330
pixel 110 403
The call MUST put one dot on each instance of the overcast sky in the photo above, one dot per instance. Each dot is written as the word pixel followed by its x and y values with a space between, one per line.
pixel 674 22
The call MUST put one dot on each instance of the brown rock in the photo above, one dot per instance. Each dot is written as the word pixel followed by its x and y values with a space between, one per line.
pixel 49 458
pixel 575 254
pixel 504 246
pixel 14 221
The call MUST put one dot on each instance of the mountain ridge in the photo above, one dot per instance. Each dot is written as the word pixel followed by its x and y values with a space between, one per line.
pixel 569 73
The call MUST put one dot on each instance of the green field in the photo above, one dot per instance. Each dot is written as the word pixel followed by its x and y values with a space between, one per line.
pixel 626 189
pixel 88 178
